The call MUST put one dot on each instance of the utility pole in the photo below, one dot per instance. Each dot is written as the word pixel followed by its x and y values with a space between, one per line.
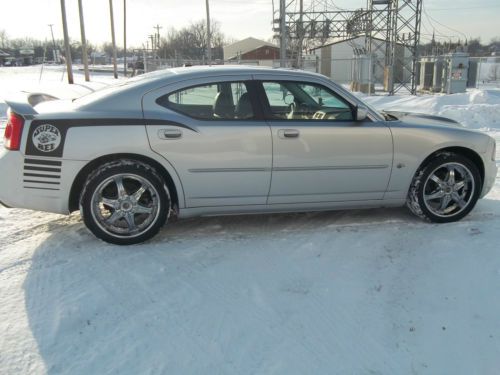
pixel 54 51
pixel 84 43
pixel 124 38
pixel 209 37
pixel 152 37
pixel 115 71
pixel 282 33
pixel 301 34
pixel 69 64
pixel 157 27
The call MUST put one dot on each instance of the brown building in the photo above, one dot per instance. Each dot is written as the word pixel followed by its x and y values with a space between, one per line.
pixel 251 49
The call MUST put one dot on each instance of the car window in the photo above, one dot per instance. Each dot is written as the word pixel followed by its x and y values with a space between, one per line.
pixel 216 101
pixel 305 101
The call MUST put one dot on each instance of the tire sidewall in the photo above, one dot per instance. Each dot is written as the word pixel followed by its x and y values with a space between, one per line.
pixel 109 170
pixel 430 168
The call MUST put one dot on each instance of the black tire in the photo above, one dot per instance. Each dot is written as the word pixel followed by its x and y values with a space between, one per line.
pixel 131 223
pixel 424 186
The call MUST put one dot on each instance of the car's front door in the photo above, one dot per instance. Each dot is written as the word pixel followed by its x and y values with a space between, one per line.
pixel 209 131
pixel 320 153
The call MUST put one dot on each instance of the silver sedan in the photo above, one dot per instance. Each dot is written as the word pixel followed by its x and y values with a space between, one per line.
pixel 232 140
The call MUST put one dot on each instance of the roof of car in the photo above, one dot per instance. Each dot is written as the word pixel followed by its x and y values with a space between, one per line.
pixel 202 70
pixel 137 86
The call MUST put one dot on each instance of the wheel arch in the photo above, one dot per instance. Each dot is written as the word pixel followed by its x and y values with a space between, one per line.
pixel 81 177
pixel 470 154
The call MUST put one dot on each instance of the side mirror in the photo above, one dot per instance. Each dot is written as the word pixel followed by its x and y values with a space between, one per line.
pixel 361 112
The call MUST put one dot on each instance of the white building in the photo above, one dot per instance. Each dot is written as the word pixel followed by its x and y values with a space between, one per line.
pixel 336 59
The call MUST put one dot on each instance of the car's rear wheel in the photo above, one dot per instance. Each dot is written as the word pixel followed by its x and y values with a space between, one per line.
pixel 125 202
pixel 445 189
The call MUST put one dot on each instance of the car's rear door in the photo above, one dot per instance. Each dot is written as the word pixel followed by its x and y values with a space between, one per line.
pixel 320 154
pixel 211 133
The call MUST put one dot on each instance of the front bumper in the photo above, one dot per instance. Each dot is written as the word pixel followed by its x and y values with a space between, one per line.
pixel 490 174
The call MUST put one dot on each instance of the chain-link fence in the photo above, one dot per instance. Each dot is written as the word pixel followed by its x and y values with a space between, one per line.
pixel 484 72
pixel 151 64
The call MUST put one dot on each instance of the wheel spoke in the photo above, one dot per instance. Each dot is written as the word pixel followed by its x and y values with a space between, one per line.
pixel 436 179
pixel 138 194
pixel 117 215
pixel 450 179
pixel 142 209
pixel 445 202
pixel 436 195
pixel 459 200
pixel 459 185
pixel 119 185
pixel 129 218
pixel 110 202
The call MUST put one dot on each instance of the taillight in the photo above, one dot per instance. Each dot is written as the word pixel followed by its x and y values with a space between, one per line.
pixel 13 132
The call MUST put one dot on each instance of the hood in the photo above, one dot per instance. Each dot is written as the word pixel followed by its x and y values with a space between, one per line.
pixel 423 119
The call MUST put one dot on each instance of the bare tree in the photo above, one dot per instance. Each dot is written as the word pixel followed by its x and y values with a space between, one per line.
pixel 191 42
pixel 4 39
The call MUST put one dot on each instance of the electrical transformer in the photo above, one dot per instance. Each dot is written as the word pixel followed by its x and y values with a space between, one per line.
pixel 455 72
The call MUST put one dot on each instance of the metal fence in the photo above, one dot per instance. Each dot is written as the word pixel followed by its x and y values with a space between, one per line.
pixel 485 72
pixel 152 64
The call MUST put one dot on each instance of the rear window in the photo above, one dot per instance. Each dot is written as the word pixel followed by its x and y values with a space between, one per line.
pixel 121 85
pixel 215 101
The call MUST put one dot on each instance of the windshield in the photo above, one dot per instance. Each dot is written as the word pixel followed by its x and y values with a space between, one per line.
pixel 356 99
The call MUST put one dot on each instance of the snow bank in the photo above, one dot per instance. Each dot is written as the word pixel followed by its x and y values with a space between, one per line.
pixel 475 109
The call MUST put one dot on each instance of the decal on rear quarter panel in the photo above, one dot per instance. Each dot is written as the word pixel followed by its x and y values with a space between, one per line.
pixel 46 138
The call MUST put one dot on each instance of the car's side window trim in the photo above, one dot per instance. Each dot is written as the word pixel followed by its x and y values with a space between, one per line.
pixel 251 90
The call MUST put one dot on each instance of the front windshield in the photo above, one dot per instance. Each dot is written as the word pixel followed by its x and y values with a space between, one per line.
pixel 355 99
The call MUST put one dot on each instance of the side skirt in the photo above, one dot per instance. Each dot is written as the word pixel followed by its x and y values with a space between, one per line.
pixel 280 208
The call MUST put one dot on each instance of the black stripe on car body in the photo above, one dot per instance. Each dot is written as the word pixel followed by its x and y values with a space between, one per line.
pixel 42 169
pixel 62 125
pixel 40 188
pixel 42 162
pixel 41 175
pixel 42 182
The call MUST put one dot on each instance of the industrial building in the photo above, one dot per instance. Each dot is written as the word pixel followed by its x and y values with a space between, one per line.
pixel 339 60
pixel 260 51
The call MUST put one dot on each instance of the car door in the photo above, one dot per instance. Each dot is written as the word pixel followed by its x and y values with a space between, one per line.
pixel 211 133
pixel 320 153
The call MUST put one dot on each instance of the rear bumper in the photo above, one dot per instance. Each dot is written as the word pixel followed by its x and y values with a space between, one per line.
pixel 16 192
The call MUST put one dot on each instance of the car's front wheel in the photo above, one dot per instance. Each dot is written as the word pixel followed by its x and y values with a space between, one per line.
pixel 445 189
pixel 125 202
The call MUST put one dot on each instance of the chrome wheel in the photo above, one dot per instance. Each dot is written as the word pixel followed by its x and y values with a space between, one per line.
pixel 125 205
pixel 449 189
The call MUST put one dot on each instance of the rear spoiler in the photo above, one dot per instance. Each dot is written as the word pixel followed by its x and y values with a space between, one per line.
pixel 23 102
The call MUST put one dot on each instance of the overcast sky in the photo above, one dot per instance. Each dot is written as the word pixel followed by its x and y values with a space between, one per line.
pixel 238 18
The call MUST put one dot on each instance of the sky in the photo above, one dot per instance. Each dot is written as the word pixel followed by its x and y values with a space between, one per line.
pixel 238 18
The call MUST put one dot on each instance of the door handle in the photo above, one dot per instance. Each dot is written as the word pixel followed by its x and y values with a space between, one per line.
pixel 288 133
pixel 169 133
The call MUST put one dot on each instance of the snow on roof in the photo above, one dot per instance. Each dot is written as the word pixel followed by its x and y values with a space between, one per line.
pixel 244 46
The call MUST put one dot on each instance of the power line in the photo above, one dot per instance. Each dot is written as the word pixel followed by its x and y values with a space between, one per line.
pixel 439 23
pixel 464 8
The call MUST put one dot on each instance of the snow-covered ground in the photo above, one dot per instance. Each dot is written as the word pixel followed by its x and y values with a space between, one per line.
pixel 349 292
